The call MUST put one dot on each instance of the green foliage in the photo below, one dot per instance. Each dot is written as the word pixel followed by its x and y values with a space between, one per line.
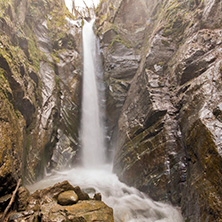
pixel 175 16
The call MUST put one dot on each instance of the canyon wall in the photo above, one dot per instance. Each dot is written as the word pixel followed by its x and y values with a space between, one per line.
pixel 40 72
pixel 163 70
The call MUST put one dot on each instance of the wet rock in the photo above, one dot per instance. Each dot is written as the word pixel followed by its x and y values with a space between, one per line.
pixel 167 127
pixel 76 219
pixel 30 91
pixel 23 216
pixel 4 201
pixel 53 192
pixel 97 196
pixel 81 194
pixel 15 216
pixel 23 195
pixel 92 210
pixel 59 203
pixel 67 198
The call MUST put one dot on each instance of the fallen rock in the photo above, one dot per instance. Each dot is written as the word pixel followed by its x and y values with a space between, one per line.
pixel 81 194
pixel 63 202
pixel 67 198
pixel 97 196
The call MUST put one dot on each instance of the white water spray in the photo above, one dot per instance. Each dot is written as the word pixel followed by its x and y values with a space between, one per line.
pixel 92 132
pixel 129 204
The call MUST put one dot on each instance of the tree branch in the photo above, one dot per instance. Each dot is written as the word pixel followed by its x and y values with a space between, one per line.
pixel 11 201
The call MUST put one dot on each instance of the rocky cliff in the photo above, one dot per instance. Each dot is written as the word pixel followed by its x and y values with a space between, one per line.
pixel 40 68
pixel 163 68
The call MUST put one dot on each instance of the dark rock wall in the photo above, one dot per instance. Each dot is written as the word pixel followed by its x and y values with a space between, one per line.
pixel 162 63
pixel 40 71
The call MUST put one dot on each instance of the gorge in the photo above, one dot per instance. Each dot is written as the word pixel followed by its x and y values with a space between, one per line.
pixel 162 78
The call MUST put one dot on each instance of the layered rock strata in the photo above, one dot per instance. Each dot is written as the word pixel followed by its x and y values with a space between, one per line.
pixel 162 64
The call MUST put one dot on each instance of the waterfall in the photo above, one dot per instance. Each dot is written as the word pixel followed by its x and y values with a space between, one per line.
pixel 92 130
pixel 128 203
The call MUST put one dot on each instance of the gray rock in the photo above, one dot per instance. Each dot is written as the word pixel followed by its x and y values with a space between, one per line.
pixel 165 126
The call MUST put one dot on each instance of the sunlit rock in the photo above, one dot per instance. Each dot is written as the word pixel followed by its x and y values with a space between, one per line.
pixel 67 198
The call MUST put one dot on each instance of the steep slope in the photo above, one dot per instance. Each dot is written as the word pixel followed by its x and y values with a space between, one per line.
pixel 163 64
pixel 40 67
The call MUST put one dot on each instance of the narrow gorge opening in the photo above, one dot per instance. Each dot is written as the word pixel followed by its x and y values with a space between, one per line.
pixel 160 100
pixel 95 175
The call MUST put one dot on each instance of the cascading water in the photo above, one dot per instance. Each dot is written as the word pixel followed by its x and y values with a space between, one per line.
pixel 129 204
pixel 92 132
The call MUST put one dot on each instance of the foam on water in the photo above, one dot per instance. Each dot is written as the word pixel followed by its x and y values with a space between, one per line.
pixel 129 204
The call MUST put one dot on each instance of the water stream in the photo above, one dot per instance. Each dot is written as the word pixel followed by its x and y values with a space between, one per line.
pixel 129 204
pixel 92 130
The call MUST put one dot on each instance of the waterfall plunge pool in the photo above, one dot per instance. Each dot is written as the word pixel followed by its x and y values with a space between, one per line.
pixel 129 204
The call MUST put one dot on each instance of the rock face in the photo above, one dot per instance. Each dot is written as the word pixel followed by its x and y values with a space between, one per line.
pixel 162 63
pixel 40 69
pixel 42 206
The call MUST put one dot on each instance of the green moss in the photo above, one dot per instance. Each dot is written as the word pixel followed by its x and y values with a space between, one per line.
pixel 118 38
pixel 165 43
pixel 10 133
pixel 173 18
pixel 54 56
pixel 34 52
pixel 4 84
pixel 4 4
pixel 57 23
pixel 175 27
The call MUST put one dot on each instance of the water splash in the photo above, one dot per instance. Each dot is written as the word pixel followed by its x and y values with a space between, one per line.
pixel 129 204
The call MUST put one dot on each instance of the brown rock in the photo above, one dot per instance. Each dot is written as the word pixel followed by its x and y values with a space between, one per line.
pixel 97 196
pixel 23 195
pixel 81 194
pixel 92 211
pixel 67 198
pixel 4 200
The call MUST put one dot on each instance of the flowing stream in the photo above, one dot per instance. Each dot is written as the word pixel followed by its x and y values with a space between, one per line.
pixel 129 204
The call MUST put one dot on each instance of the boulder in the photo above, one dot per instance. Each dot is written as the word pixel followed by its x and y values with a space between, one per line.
pixel 67 198
pixel 81 194
pixel 97 196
